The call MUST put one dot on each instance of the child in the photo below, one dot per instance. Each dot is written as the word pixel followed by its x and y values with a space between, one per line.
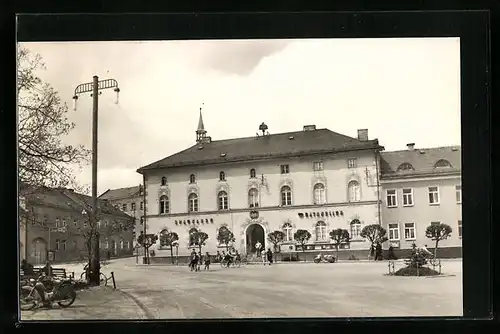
pixel 263 255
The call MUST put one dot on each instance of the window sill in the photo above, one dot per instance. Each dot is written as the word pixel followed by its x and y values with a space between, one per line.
pixel 459 202
pixel 412 239
pixel 392 206
pixel 434 204
pixel 408 205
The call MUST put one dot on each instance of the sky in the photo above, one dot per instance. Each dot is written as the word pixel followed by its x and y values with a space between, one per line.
pixel 401 90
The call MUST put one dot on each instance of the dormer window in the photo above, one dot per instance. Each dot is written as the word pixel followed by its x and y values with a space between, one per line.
pixel 163 181
pixel 442 164
pixel 192 178
pixel 252 173
pixel 222 176
pixel 405 166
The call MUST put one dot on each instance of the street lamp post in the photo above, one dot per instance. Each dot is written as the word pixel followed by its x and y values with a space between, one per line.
pixel 95 86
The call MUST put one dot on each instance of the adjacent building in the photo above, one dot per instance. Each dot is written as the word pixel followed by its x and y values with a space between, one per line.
pixel 422 186
pixel 129 200
pixel 54 225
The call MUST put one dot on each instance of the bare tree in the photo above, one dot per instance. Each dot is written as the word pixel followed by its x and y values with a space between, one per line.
pixel 44 160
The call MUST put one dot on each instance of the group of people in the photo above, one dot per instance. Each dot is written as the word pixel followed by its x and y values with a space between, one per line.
pixel 228 258
pixel 266 256
pixel 197 260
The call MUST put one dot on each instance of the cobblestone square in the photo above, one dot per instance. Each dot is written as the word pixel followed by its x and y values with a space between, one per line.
pixel 344 289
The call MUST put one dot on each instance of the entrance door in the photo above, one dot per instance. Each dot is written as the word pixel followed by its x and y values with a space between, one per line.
pixel 255 233
pixel 39 251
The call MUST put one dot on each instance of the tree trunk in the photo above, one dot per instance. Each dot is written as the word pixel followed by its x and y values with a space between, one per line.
pixel 94 259
pixel 436 249
pixel 337 249
pixel 172 253
pixel 199 247
pixel 304 251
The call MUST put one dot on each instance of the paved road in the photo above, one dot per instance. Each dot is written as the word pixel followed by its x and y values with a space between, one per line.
pixel 288 290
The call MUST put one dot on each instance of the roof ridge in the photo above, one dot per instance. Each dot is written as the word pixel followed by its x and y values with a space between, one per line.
pixel 423 148
pixel 284 133
pixel 113 189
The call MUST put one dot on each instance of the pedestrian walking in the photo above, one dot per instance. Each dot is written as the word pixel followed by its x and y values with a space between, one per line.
pixel 192 261
pixel 258 247
pixel 199 262
pixel 378 252
pixel 372 252
pixel 391 254
pixel 269 256
pixel 207 261
pixel 263 255
pixel 218 257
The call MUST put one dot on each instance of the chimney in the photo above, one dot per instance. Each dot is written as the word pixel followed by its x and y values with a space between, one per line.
pixel 363 134
pixel 309 127
pixel 411 146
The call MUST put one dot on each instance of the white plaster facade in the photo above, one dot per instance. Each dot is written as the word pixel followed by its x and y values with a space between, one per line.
pixel 335 176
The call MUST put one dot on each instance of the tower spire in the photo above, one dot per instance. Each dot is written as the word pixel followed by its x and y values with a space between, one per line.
pixel 200 132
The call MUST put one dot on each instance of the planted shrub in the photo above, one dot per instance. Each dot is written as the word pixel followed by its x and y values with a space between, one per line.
pixel 415 265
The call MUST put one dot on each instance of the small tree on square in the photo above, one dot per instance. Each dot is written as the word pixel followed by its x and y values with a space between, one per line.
pixel 169 238
pixel 225 237
pixel 276 238
pixel 339 236
pixel 438 232
pixel 199 238
pixel 147 240
pixel 375 234
pixel 302 237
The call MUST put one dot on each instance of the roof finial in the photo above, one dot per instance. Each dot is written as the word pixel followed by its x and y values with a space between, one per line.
pixel 200 132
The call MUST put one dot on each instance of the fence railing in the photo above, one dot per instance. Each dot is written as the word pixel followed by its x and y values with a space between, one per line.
pixel 434 263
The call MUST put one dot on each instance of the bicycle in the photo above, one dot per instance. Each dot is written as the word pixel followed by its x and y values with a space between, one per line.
pixel 433 261
pixel 234 264
pixel 103 280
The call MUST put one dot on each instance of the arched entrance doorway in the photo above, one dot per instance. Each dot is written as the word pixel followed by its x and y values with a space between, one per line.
pixel 254 234
pixel 39 251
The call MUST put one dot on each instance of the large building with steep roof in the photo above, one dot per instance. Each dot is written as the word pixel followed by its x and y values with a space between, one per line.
pixel 54 223
pixel 312 179
pixel 422 186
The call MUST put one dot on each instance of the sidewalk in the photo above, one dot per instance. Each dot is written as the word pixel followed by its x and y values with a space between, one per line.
pixel 99 303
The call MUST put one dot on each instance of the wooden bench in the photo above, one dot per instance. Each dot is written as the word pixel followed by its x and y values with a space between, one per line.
pixel 56 272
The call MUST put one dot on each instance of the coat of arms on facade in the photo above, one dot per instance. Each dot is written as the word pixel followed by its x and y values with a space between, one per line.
pixel 254 214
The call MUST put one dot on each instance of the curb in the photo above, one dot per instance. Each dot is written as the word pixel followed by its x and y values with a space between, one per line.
pixel 143 307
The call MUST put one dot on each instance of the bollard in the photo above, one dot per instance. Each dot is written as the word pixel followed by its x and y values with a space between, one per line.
pixel 113 278
pixel 439 263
